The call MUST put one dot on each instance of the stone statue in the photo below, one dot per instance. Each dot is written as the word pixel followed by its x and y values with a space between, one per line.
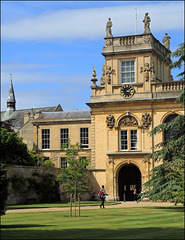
pixel 166 41
pixel 152 72
pixel 147 23
pixel 102 80
pixel 108 28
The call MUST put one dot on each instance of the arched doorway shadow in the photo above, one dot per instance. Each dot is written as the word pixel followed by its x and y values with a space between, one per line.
pixel 129 177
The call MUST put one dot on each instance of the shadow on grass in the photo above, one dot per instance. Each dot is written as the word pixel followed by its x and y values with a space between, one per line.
pixel 98 233
pixel 23 226
pixel 175 209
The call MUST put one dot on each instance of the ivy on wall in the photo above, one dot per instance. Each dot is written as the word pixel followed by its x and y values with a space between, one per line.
pixel 38 188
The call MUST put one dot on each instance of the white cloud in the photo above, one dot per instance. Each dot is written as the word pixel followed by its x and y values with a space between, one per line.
pixel 90 23
pixel 40 89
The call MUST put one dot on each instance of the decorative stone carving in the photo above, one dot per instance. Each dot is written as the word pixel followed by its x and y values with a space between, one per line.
pixel 127 40
pixel 146 120
pixel 109 71
pixel 147 21
pixel 149 68
pixel 146 70
pixel 94 79
pixel 152 74
pixel 108 42
pixel 102 80
pixel 128 121
pixel 110 120
pixel 108 29
pixel 146 39
pixel 166 41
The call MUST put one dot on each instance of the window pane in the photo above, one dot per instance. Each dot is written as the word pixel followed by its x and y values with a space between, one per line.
pixel 123 140
pixel 127 71
pixel 133 140
pixel 63 162
pixel 84 137
pixel 45 138
pixel 64 137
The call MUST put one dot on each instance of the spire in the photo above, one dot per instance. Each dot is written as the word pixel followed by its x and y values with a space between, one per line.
pixel 11 99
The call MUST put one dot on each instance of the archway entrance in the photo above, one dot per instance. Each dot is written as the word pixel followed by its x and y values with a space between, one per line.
pixel 129 177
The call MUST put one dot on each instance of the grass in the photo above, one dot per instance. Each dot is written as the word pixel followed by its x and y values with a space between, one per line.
pixel 123 223
pixel 53 205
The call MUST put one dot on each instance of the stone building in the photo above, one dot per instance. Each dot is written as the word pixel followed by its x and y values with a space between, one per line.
pixel 136 93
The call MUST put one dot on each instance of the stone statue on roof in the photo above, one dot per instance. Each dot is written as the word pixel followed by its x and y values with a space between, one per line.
pixel 166 41
pixel 108 28
pixel 147 23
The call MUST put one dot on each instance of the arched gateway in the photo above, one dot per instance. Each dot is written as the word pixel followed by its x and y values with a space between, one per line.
pixel 129 177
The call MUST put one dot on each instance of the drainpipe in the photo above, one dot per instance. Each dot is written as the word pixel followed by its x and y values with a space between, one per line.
pixel 37 126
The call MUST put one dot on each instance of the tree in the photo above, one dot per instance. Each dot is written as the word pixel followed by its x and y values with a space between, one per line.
pixel 7 124
pixel 15 152
pixel 180 54
pixel 74 178
pixel 167 179
pixel 3 190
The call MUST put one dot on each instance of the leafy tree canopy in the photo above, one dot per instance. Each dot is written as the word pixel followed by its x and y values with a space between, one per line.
pixel 167 179
pixel 15 152
pixel 74 178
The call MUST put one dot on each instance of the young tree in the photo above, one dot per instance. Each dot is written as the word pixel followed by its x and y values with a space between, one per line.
pixel 74 178
pixel 167 179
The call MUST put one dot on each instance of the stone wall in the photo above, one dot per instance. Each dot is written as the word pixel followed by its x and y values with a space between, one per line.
pixel 18 190
pixel 20 193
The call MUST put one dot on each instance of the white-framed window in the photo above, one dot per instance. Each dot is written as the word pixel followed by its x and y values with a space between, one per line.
pixel 64 133
pixel 63 162
pixel 127 70
pixel 133 140
pixel 84 137
pixel 124 140
pixel 45 138
pixel 128 140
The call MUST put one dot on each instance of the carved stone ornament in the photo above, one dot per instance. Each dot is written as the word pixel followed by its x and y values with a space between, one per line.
pixel 108 42
pixel 102 79
pixel 110 120
pixel 146 39
pixel 128 121
pixel 146 70
pixel 109 71
pixel 94 79
pixel 146 120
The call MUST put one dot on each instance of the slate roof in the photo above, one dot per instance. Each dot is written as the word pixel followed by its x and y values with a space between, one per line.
pixel 17 116
pixel 65 115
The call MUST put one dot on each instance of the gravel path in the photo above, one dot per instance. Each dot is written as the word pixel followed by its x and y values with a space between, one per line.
pixel 121 205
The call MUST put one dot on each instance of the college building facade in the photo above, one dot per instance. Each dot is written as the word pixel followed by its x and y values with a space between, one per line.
pixel 136 93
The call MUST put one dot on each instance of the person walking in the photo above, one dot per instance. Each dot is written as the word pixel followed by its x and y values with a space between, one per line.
pixel 102 196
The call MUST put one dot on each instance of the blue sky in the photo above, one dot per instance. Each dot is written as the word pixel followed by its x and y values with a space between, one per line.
pixel 51 47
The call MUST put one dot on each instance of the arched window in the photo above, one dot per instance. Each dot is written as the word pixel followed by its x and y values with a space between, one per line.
pixel 128 134
pixel 169 133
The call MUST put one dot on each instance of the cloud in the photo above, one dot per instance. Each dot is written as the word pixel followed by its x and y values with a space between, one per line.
pixel 89 23
pixel 38 89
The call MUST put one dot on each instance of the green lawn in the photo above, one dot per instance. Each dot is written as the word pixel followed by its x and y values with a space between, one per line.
pixel 50 205
pixel 123 223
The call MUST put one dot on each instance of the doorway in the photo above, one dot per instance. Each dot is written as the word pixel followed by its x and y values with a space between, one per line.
pixel 129 177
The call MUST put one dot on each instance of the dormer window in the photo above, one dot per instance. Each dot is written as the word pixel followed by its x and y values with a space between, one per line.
pixel 127 71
